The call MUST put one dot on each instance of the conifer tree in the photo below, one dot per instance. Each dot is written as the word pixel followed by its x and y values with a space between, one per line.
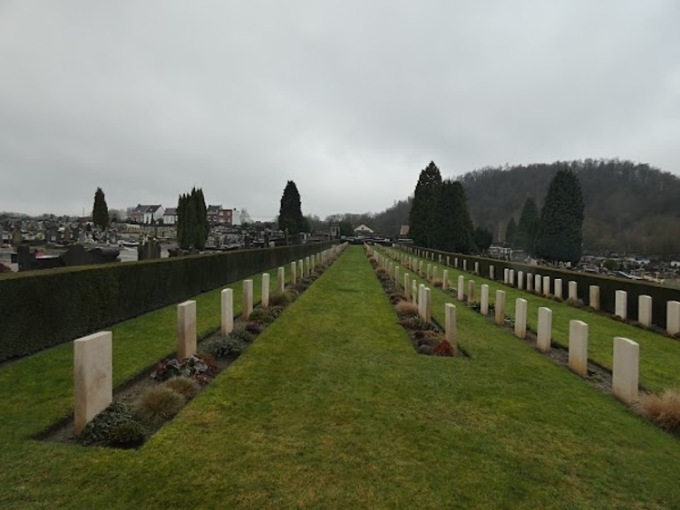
pixel 100 211
pixel 483 239
pixel 425 198
pixel 510 232
pixel 192 220
pixel 452 227
pixel 527 229
pixel 290 212
pixel 560 236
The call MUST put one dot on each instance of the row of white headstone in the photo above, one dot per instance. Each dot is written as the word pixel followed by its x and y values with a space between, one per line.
pixel 626 353
pixel 92 354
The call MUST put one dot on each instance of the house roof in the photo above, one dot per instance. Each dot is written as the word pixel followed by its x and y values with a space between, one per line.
pixel 363 228
pixel 170 211
pixel 140 209
pixel 214 209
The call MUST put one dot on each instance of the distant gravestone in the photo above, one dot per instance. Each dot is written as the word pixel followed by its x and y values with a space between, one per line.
pixel 530 282
pixel 621 304
pixel 544 332
pixel 573 290
pixel 92 377
pixel 227 311
pixel 538 283
pixel 511 277
pixel 445 279
pixel 247 298
pixel 558 288
pixel 281 278
pixel 491 272
pixel 645 310
pixel 500 307
pixel 484 300
pixel 594 297
pixel 471 291
pixel 265 290
pixel 520 280
pixel 673 317
pixel 461 288
pixel 293 272
pixel 546 286
pixel 186 329
pixel 520 318
pixel 450 324
pixel 578 347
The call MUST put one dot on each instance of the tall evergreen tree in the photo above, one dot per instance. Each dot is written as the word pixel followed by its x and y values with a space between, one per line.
pixel 425 199
pixel 560 237
pixel 510 232
pixel 100 211
pixel 452 227
pixel 192 220
pixel 527 229
pixel 290 212
pixel 483 239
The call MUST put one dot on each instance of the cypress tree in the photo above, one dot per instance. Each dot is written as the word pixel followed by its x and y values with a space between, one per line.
pixel 560 237
pixel 100 211
pixel 483 239
pixel 192 220
pixel 527 229
pixel 510 232
pixel 452 227
pixel 290 212
pixel 425 200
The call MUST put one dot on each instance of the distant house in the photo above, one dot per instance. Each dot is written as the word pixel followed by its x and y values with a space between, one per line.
pixel 170 216
pixel 404 230
pixel 219 216
pixel 363 229
pixel 147 214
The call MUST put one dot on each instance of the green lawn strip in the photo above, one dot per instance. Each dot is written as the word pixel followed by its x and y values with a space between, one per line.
pixel 46 378
pixel 331 407
pixel 659 355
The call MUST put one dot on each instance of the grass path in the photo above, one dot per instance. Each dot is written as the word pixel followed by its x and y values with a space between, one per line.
pixel 659 355
pixel 332 408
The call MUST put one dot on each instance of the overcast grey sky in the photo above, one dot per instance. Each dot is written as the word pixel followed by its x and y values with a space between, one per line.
pixel 350 99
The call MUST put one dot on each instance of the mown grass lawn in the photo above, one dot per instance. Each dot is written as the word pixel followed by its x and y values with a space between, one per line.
pixel 659 355
pixel 332 408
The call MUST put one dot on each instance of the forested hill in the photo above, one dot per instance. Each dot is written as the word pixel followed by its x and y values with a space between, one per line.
pixel 629 207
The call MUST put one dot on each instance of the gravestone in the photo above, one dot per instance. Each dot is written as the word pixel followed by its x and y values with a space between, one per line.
pixel 594 302
pixel 471 291
pixel 476 267
pixel 247 298
pixel 520 280
pixel 546 286
pixel 92 377
pixel 530 282
pixel 506 275
pixel 573 290
pixel 450 324
pixel 186 329
pixel 511 277
pixel 227 311
pixel 281 277
pixel 427 294
pixel 414 291
pixel 673 317
pixel 293 272
pixel 265 290
pixel 500 307
pixel 464 264
pixel 645 310
pixel 491 272
pixel 621 304
pixel 625 373
pixel 544 333
pixel 578 347
pixel 407 286
pixel 445 279
pixel 461 288
pixel 538 283
pixel 520 318
pixel 484 300
pixel 558 288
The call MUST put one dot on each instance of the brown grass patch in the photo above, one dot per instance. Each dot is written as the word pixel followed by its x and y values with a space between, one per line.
pixel 437 282
pixel 406 308
pixel 663 410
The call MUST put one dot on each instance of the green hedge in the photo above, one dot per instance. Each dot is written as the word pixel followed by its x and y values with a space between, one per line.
pixel 39 309
pixel 608 286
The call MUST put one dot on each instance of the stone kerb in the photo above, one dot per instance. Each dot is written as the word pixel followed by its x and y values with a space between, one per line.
pixel 520 318
pixel 573 290
pixel 546 286
pixel 645 310
pixel 226 311
pixel 673 317
pixel 625 373
pixel 558 288
pixel 594 293
pixel 500 307
pixel 578 347
pixel 484 300
pixel 186 329
pixel 247 298
pixel 92 376
pixel 281 277
pixel 544 332
pixel 461 288
pixel 621 304
pixel 520 280
pixel 265 290
pixel 450 324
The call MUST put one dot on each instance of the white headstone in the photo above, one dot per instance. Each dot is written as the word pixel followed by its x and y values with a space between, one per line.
pixel 594 297
pixel 227 311
pixel 538 283
pixel 500 307
pixel 484 300
pixel 92 376
pixel 520 318
pixel 445 279
pixel 511 277
pixel 414 291
pixel 506 275
pixel 626 366
pixel 621 304
pixel 247 298
pixel 546 286
pixel 293 272
pixel 471 291
pixel 544 333
pixel 461 288
pixel 281 277
pixel 407 286
pixel 520 280
pixel 476 267
pixel 573 290
pixel 645 310
pixel 578 347
pixel 673 317
pixel 422 303
pixel 265 290
pixel 427 294
pixel 450 324
pixel 491 272
pixel 186 329
pixel 558 288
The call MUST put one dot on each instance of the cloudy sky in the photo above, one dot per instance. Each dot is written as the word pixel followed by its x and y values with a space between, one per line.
pixel 350 99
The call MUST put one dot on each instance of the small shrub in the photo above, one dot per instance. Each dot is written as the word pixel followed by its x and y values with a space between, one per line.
pixel 159 404
pixel 185 386
pixel 663 410
pixel 255 327
pixel 380 271
pixel 197 367
pixel 415 323
pixel 98 431
pixel 423 338
pixel 443 348
pixel 575 302
pixel 127 434
pixel 242 334
pixel 262 315
pixel 222 346
pixel 406 308
pixel 425 349
pixel 278 300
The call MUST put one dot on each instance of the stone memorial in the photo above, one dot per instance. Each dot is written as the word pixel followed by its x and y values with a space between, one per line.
pixel 544 332
pixel 538 283
pixel 520 318
pixel 461 288
pixel 673 317
pixel 92 377
pixel 578 347
pixel 506 275
pixel 491 272
pixel 414 291
pixel 621 304
pixel 464 264
pixel 226 311
pixel 265 290
pixel 471 291
pixel 546 286
pixel 645 310
pixel 407 286
pixel 500 307
pixel 511 277
pixel 247 298
pixel 625 373
pixel 445 279
pixel 558 288
pixel 520 280
pixel 293 272
pixel 530 282
pixel 450 324
pixel 484 300
pixel 186 329
pixel 281 279
pixel 573 290
pixel 594 292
